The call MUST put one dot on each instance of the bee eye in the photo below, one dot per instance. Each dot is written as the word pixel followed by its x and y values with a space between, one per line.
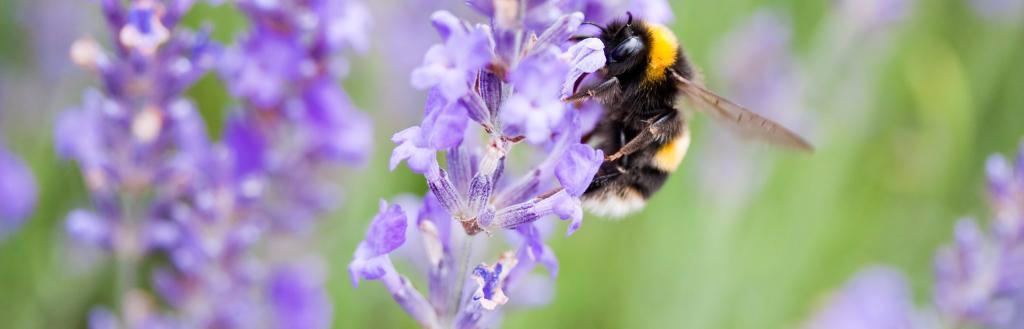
pixel 625 49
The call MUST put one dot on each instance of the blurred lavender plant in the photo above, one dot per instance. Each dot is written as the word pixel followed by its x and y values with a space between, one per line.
pixel 1006 11
pixel 977 278
pixel 228 216
pixel 17 193
pixel 508 78
pixel 759 68
pixel 876 298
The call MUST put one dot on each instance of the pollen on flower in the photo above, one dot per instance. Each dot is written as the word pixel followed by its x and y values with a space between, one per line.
pixel 491 278
pixel 146 124
pixel 86 53
pixel 144 31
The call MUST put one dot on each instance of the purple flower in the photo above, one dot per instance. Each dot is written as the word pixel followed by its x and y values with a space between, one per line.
pixel 101 318
pixel 162 188
pixel 17 192
pixel 587 57
pixel 386 233
pixel 451 65
pixel 412 146
pixel 868 15
pixel 603 11
pixel 299 299
pixel 345 24
pixel 536 109
pixel 87 227
pixel 143 29
pixel 756 64
pixel 511 88
pixel 262 68
pixel 977 278
pixel 337 130
pixel 1008 11
pixel 577 169
pixel 371 262
pixel 490 279
pixel 876 298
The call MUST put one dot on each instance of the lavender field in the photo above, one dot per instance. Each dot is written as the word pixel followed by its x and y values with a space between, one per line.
pixel 414 163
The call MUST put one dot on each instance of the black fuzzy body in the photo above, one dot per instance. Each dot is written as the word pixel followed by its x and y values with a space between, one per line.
pixel 639 102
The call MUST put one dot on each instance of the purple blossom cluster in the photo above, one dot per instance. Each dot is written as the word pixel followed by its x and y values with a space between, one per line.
pixel 759 69
pixel 1004 11
pixel 17 192
pixel 491 87
pixel 977 278
pixel 220 219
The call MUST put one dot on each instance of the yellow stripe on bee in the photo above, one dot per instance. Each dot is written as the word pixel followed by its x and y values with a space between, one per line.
pixel 670 155
pixel 664 49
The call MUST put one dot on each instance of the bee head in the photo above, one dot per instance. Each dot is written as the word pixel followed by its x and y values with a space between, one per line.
pixel 625 45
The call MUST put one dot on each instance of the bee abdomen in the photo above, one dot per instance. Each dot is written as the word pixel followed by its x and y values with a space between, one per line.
pixel 625 193
pixel 669 156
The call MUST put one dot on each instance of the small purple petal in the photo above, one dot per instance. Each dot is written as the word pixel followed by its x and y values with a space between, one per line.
pixel 451 66
pixel 875 298
pixel 17 192
pixel 447 24
pixel 102 318
pixel 445 123
pixel 387 230
pixel 560 31
pixel 587 57
pixel 86 227
pixel 299 299
pixel 490 281
pixel 577 169
pixel 484 7
pixel 247 146
pixel 412 147
pixel 658 11
pixel 346 23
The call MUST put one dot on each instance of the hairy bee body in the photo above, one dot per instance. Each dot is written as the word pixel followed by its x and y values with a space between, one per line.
pixel 640 56
pixel 643 133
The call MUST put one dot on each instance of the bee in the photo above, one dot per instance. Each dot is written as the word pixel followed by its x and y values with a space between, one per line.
pixel 642 131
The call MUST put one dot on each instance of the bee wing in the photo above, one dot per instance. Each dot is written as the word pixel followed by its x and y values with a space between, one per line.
pixel 744 120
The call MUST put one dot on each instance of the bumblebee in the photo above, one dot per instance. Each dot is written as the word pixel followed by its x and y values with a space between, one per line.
pixel 643 132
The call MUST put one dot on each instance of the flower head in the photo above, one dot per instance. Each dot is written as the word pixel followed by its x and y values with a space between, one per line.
pixel 1007 11
pixel 450 66
pixel 977 277
pixel 490 279
pixel 208 212
pixel 875 298
pixel 386 233
pixel 490 89
pixel 17 192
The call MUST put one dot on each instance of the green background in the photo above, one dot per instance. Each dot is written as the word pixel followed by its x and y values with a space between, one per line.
pixel 941 93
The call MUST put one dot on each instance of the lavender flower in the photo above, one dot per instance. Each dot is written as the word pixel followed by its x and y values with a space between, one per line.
pixel 758 68
pixel 17 193
pixel 215 210
pixel 977 278
pixel 876 298
pixel 507 79
pixel 872 15
pixel 1008 11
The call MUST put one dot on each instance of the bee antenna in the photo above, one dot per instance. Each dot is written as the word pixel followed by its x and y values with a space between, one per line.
pixel 630 20
pixel 599 26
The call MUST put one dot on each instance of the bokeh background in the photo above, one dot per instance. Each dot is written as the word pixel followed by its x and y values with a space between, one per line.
pixel 904 100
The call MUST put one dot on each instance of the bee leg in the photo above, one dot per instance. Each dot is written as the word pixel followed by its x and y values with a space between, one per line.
pixel 646 137
pixel 603 180
pixel 578 38
pixel 599 91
